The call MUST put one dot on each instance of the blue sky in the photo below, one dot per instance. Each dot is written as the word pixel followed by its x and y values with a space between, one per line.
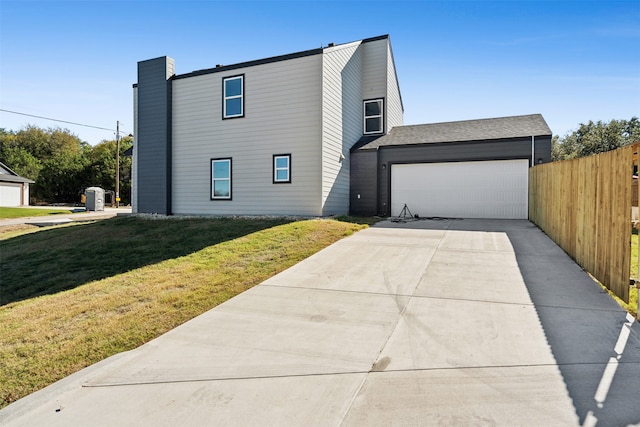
pixel 571 61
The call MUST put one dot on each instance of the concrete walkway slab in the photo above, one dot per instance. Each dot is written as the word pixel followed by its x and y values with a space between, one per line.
pixel 452 322
pixel 508 396
pixel 309 332
pixel 482 334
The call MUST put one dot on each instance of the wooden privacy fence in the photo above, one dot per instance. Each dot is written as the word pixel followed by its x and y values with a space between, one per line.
pixel 584 205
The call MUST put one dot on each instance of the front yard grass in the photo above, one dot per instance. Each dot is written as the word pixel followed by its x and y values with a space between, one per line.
pixel 74 295
pixel 6 213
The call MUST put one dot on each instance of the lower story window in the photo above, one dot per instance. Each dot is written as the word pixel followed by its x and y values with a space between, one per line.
pixel 221 179
pixel 281 168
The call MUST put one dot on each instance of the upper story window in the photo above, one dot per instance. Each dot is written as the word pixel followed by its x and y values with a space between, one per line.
pixel 221 179
pixel 281 168
pixel 373 117
pixel 233 97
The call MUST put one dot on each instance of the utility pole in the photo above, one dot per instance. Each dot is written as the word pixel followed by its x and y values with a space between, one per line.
pixel 117 164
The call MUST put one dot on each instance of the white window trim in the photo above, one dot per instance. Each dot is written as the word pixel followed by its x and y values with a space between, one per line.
pixel 365 117
pixel 225 98
pixel 213 180
pixel 276 169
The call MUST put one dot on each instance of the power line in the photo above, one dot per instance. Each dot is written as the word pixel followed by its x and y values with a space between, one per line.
pixel 56 120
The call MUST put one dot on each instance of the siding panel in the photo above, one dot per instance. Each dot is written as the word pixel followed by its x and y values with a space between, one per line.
pixel 374 66
pixel 153 170
pixel 364 192
pixel 282 116
pixel 341 122
pixel 394 102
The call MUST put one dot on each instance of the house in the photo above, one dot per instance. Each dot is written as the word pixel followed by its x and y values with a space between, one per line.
pixel 266 137
pixel 316 133
pixel 14 189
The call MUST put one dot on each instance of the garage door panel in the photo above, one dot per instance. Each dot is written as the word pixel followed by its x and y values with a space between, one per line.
pixel 487 189
pixel 10 194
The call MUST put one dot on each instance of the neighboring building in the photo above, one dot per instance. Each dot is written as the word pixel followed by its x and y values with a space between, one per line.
pixel 266 137
pixel 318 133
pixel 14 189
pixel 466 169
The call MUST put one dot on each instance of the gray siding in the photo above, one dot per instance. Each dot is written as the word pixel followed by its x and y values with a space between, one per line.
pixel 283 102
pixel 364 191
pixel 542 149
pixel 341 122
pixel 374 69
pixel 394 101
pixel 352 73
pixel 153 169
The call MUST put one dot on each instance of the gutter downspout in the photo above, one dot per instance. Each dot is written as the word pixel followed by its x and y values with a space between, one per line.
pixel 533 150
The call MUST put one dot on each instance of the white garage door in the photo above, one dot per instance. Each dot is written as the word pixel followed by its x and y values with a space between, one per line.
pixel 488 189
pixel 10 194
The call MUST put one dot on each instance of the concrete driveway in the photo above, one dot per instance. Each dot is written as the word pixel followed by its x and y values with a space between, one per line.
pixel 453 322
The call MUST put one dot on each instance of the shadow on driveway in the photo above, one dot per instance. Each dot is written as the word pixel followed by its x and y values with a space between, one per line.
pixel 595 343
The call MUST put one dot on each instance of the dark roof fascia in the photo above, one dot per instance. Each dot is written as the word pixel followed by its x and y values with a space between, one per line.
pixel 249 63
pixel 269 60
pixel 392 139
pixel 363 141
pixel 370 144
pixel 461 142
pixel 374 39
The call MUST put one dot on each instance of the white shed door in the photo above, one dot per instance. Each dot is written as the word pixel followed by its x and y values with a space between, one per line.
pixel 487 189
pixel 10 194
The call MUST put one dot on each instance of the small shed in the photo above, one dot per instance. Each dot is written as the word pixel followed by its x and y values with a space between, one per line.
pixel 14 189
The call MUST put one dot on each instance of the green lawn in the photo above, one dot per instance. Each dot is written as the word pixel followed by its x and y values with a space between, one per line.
pixel 26 212
pixel 74 295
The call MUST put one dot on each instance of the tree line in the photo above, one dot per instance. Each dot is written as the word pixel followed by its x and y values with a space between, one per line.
pixel 595 137
pixel 62 165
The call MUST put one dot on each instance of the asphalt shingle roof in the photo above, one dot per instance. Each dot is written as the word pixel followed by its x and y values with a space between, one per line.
pixel 467 130
pixel 7 175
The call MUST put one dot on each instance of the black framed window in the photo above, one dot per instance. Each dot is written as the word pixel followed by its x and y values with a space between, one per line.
pixel 373 116
pixel 221 179
pixel 281 168
pixel 233 97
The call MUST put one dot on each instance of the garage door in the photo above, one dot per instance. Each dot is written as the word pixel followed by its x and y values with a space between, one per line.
pixel 488 189
pixel 10 194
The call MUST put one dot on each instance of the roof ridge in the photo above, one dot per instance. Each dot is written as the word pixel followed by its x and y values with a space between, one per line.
pixel 472 120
